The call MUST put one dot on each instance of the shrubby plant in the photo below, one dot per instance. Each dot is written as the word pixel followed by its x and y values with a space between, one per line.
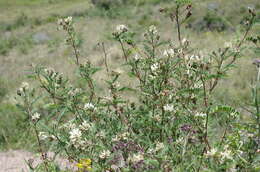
pixel 173 124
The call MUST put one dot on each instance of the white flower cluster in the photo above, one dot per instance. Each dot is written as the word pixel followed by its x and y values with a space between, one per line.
pixel 159 146
pixel 200 115
pixel 75 134
pixel 65 22
pixel 180 140
pixel 226 154
pixel 198 85
pixel 104 154
pixel 122 136
pixel 137 57
pixel 24 87
pixel 136 158
pixel 153 30
pixel 36 116
pixel 168 107
pixel 74 92
pixel 169 52
pixel 228 45
pixel 89 106
pixel 185 42
pixel 121 29
pixel 116 84
pixel 101 134
pixel 212 152
pixel 157 117
pixel 69 125
pixel 85 126
pixel 76 139
pixel 195 58
pixel 234 114
pixel 43 135
pixel 155 67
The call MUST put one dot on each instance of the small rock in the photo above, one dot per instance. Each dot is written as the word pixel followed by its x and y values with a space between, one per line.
pixel 41 37
pixel 213 6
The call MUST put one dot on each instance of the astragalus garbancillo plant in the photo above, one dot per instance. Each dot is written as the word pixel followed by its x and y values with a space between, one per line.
pixel 169 126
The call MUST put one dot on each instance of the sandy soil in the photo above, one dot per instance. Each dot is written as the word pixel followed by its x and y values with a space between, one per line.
pixel 15 161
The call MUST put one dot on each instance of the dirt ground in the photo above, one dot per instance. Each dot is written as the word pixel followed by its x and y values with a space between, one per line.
pixel 15 161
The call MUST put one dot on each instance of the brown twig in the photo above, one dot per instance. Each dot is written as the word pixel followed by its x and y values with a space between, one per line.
pixel 178 24
pixel 105 55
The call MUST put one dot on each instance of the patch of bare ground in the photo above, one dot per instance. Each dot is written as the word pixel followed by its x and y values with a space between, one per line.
pixel 15 161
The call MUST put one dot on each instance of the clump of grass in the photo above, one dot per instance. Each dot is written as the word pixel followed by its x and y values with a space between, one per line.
pixel 15 131
pixel 23 43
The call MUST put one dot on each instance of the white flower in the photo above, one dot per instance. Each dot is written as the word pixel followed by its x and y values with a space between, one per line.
pixel 136 57
pixel 154 67
pixel 168 107
pixel 49 71
pixel 116 84
pixel 228 44
pixel 157 117
pixel 70 125
pixel 88 106
pixel 234 114
pixel 151 77
pixel 226 154
pixel 25 85
pixel 198 85
pixel 212 152
pixel 136 158
pixel 194 58
pixel 74 92
pixel 104 154
pixel 179 50
pixel 116 138
pixel 121 29
pixel 153 30
pixel 36 116
pixel 60 22
pixel 43 135
pixel 75 135
pixel 200 115
pixel 184 41
pixel 169 52
pixel 159 146
pixel 68 20
pixel 125 135
pixel 179 140
pixel 85 126
pixel 101 134
pixel 150 150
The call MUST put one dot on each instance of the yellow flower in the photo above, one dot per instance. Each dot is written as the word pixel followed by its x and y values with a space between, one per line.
pixel 84 164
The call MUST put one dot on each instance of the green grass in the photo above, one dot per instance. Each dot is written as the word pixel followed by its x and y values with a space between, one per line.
pixel 15 131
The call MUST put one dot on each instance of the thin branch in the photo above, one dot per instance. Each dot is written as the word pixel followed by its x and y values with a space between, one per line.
pixel 105 55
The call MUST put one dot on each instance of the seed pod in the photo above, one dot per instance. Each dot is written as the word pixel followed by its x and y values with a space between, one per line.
pixel 188 15
pixel 188 7
pixel 251 11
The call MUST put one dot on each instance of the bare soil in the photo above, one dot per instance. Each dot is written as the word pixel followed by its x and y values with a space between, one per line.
pixel 15 161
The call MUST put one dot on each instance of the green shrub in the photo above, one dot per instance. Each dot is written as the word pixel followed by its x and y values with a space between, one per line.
pixel 173 122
